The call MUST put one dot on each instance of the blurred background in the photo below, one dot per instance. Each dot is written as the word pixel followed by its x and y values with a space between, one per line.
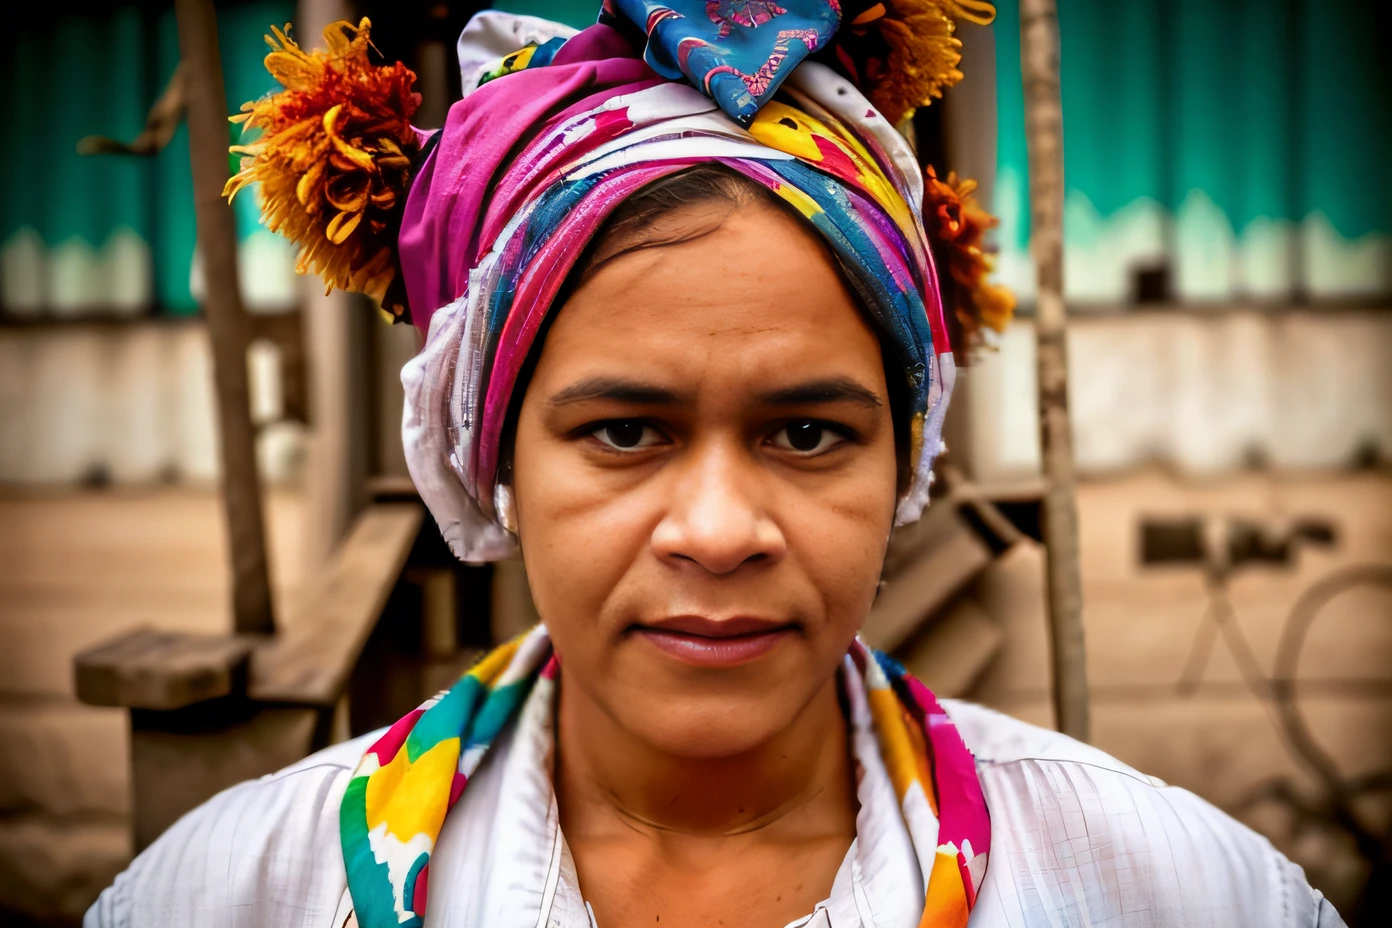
pixel 1228 250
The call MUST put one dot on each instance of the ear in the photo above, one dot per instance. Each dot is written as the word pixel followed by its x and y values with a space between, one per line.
pixel 505 504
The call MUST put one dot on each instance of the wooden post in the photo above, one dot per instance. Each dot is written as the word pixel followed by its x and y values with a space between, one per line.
pixel 336 327
pixel 1039 59
pixel 227 323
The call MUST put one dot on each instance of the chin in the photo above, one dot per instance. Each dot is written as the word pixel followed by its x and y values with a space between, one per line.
pixel 710 729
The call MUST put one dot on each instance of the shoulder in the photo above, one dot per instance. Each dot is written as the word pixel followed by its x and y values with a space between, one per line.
pixel 265 852
pixel 1078 832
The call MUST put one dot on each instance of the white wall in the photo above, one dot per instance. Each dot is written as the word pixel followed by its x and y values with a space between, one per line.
pixel 1204 393
pixel 129 401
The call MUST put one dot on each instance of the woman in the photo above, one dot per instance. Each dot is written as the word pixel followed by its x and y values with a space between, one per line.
pixel 685 346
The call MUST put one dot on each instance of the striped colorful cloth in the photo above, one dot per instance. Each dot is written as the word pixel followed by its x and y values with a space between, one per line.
pixel 397 800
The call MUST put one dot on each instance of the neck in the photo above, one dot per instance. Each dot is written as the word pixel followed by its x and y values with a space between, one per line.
pixel 801 778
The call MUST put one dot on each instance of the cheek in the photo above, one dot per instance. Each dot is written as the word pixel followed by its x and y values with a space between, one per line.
pixel 578 536
pixel 839 542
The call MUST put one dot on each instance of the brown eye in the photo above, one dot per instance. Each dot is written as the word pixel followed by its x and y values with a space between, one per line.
pixel 627 435
pixel 807 437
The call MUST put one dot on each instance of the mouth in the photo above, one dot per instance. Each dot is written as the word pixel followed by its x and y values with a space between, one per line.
pixel 715 642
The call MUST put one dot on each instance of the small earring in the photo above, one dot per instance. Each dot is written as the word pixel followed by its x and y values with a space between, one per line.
pixel 506 506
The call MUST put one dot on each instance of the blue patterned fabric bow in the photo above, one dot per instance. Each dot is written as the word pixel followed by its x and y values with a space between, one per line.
pixel 736 51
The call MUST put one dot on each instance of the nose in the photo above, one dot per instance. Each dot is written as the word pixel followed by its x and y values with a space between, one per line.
pixel 716 517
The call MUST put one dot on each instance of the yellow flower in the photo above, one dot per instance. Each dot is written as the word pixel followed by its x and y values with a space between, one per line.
pixel 334 158
pixel 923 52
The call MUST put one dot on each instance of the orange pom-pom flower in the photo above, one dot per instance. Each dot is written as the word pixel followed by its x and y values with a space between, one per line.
pixel 956 226
pixel 334 158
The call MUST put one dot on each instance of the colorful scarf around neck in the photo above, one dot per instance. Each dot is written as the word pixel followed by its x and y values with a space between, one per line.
pixel 410 779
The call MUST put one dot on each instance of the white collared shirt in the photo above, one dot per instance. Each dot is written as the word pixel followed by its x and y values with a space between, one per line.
pixel 1078 839
pixel 529 879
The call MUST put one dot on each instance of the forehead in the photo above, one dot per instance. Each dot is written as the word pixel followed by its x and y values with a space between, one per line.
pixel 756 296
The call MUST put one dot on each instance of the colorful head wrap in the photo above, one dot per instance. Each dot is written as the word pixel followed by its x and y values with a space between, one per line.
pixel 528 168
pixel 556 129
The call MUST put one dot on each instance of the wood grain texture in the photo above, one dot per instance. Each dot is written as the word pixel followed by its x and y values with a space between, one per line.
pixel 928 564
pixel 309 662
pixel 1039 59
pixel 148 669
pixel 227 324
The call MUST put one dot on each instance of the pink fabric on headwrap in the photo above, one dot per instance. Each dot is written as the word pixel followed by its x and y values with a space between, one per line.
pixel 454 212
pixel 538 288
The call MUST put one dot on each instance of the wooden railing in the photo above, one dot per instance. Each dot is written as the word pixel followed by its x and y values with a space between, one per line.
pixel 209 711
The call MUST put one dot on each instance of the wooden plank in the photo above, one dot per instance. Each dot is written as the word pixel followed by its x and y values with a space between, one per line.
pixel 147 669
pixel 938 526
pixel 978 508
pixel 942 557
pixel 337 326
pixel 952 653
pixel 386 488
pixel 309 662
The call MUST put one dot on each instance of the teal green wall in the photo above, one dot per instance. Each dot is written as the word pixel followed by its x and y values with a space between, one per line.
pixel 1272 109
pixel 577 13
pixel 98 75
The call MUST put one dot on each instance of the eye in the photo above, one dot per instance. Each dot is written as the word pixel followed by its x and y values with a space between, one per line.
pixel 628 435
pixel 807 437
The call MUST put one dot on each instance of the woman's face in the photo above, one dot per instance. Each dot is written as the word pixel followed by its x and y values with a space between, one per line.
pixel 704 471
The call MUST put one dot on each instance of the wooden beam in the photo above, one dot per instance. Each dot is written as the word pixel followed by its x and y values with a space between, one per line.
pixel 952 653
pixel 927 564
pixel 227 327
pixel 308 663
pixel 337 326
pixel 1039 59
pixel 147 669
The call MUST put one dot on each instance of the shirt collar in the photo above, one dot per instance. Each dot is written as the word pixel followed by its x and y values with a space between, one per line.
pixel 529 878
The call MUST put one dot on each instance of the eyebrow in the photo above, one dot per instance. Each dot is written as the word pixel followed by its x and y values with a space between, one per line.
pixel 831 390
pixel 616 389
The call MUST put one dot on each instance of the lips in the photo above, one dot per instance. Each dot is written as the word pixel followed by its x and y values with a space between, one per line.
pixel 715 642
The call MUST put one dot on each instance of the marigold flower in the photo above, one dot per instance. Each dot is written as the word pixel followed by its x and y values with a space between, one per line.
pixel 957 225
pixel 334 158
pixel 923 52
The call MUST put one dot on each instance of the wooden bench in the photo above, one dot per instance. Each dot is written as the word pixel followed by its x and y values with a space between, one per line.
pixel 209 711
